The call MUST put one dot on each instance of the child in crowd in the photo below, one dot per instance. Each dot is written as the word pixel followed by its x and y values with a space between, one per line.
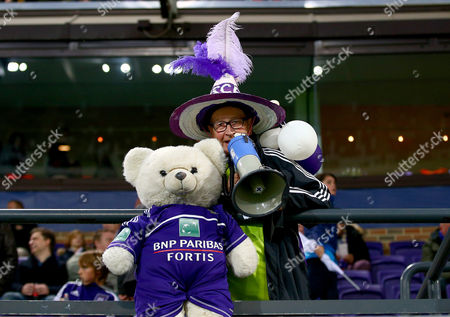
pixel 93 275
pixel 74 244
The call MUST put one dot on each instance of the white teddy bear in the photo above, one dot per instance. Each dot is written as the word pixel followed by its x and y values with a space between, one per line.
pixel 182 243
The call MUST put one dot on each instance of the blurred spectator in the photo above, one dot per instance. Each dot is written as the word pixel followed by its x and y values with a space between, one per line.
pixel 93 275
pixel 431 247
pixel 127 285
pixel 112 227
pixel 322 282
pixel 8 257
pixel 352 249
pixel 102 239
pixel 330 181
pixel 75 244
pixel 40 276
pixel 127 281
pixel 21 231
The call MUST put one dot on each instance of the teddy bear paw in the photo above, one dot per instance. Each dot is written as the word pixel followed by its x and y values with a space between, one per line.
pixel 118 260
pixel 243 259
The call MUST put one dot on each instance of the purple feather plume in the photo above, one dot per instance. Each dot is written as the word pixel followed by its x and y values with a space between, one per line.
pixel 223 42
pixel 200 64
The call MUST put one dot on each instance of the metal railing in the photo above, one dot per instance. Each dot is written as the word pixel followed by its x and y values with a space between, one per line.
pixel 358 215
pixel 408 273
pixel 211 4
pixel 244 308
pixel 252 308
pixel 435 271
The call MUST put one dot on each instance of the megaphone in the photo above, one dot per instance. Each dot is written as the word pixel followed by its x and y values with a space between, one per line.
pixel 260 190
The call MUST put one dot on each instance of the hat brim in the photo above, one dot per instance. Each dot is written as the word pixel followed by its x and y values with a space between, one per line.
pixel 183 121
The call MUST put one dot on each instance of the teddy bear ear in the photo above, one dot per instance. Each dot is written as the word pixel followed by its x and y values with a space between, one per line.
pixel 213 150
pixel 133 162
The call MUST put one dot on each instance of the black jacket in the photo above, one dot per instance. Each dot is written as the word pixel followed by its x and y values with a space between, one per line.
pixel 50 273
pixel 356 245
pixel 8 257
pixel 281 240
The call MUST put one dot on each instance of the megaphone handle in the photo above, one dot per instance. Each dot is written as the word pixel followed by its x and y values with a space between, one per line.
pixel 229 181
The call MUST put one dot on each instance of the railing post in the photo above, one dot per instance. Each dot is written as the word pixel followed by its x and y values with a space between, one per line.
pixel 408 273
pixel 437 266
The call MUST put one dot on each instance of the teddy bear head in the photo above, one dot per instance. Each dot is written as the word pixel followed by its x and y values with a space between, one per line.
pixel 177 174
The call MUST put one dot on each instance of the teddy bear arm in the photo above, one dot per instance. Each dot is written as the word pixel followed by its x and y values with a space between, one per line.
pixel 118 260
pixel 243 259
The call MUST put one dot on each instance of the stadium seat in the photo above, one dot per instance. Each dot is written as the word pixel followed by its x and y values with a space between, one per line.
pixel 411 250
pixel 388 272
pixel 417 278
pixel 390 283
pixel 448 290
pixel 416 258
pixel 360 277
pixel 389 262
pixel 375 249
pixel 413 290
pixel 371 291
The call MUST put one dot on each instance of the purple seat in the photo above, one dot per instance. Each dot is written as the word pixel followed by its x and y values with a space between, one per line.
pixel 409 249
pixel 391 285
pixel 416 258
pixel 391 272
pixel 448 290
pixel 417 278
pixel 389 262
pixel 398 246
pixel 375 249
pixel 388 282
pixel 371 291
pixel 413 290
pixel 360 277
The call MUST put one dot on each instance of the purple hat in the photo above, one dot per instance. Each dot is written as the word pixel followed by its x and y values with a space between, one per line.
pixel 221 58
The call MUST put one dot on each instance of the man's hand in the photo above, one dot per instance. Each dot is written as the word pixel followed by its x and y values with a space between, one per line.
pixel 41 289
pixel 125 297
pixel 319 251
pixel 349 258
pixel 66 297
pixel 236 177
pixel 235 180
pixel 27 289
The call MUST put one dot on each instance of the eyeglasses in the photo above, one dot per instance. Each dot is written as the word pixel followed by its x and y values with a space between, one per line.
pixel 221 126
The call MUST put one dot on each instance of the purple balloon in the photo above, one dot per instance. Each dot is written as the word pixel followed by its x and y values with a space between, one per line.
pixel 313 163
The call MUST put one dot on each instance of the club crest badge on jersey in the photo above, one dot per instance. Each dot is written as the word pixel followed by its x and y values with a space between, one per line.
pixel 189 227
pixel 101 297
pixel 123 235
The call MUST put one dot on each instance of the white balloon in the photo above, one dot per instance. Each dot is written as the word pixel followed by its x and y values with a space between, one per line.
pixel 297 140
pixel 270 138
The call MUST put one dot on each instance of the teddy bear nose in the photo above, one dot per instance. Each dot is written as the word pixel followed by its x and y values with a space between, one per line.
pixel 180 175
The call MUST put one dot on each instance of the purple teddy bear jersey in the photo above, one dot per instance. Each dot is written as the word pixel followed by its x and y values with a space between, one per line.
pixel 180 252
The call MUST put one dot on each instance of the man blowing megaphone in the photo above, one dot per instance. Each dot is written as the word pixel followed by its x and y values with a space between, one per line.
pixel 223 114
pixel 260 190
